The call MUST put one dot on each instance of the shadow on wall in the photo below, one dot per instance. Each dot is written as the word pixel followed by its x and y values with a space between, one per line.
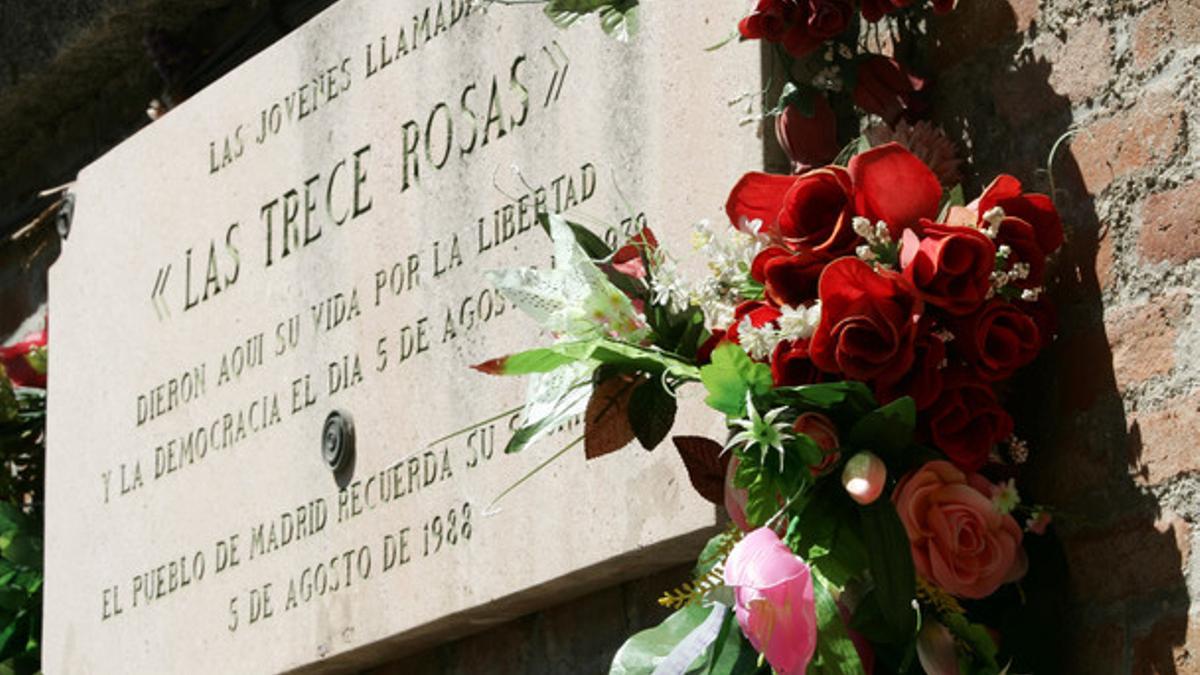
pixel 1102 581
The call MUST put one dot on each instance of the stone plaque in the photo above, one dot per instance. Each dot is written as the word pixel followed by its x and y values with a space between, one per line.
pixel 307 236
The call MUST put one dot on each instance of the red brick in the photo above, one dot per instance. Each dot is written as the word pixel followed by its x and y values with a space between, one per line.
pixel 1171 225
pixel 1163 442
pixel 1105 260
pixel 1170 647
pixel 1138 138
pixel 1134 558
pixel 1142 338
pixel 1083 64
pixel 1163 27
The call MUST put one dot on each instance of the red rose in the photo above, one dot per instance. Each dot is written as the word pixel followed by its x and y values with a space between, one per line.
pixel 791 366
pixel 790 278
pixel 943 6
pixel 1035 209
pixel 950 265
pixel 815 210
pixel 16 362
pixel 923 382
pixel 827 18
pixel 868 322
pixel 966 421
pixel 808 141
pixel 874 10
pixel 1021 239
pixel 768 21
pixel 997 340
pixel 884 87
pixel 891 184
pixel 705 350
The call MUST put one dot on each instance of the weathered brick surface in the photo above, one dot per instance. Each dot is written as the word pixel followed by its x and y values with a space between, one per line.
pixel 1164 26
pixel 1171 225
pixel 1134 557
pixel 1083 64
pixel 1139 138
pixel 1166 443
pixel 1142 337
pixel 1171 646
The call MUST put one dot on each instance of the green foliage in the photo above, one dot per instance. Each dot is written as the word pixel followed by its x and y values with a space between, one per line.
pixel 22 464
pixel 889 560
pixel 651 413
pixel 977 651
pixel 835 653
pixel 825 530
pixel 886 431
pixel 730 376
pixel 618 18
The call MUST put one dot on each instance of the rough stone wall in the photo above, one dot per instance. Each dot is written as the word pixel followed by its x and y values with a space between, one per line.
pixel 1113 410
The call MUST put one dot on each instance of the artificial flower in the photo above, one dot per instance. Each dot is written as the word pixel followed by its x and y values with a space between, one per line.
pixel 958 539
pixel 997 340
pixel 25 361
pixel 864 477
pixel 950 265
pixel 967 421
pixel 868 322
pixel 808 140
pixel 774 600
pixel 884 87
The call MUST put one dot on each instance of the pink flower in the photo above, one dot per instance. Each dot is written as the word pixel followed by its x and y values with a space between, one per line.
pixel 959 540
pixel 774 604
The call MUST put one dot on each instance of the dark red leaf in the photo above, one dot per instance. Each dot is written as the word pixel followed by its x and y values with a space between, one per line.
pixel 705 464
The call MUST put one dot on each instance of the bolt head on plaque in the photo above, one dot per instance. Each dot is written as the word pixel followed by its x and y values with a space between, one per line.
pixel 337 440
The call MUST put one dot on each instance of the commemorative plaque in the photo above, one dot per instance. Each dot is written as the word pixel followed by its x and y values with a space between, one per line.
pixel 266 450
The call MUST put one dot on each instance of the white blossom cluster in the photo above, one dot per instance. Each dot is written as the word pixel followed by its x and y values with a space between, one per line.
pixel 877 237
pixel 730 256
pixel 795 323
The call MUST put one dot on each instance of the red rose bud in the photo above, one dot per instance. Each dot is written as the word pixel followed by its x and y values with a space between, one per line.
pixel 874 10
pixel 823 432
pixel 813 23
pixel 1023 249
pixel 923 382
pixel 1035 209
pixel 704 352
pixel 628 259
pixel 950 265
pixel 864 477
pixel 816 213
pixel 789 278
pixel 885 88
pixel 24 361
pixel 868 322
pixel 808 141
pixel 998 339
pixel 790 365
pixel 893 185
pixel 944 6
pixel 966 422
pixel 768 21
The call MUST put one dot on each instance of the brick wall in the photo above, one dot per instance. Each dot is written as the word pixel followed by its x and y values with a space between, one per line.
pixel 1113 409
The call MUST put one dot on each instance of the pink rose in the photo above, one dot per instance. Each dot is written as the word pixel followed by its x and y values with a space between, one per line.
pixel 774 605
pixel 959 540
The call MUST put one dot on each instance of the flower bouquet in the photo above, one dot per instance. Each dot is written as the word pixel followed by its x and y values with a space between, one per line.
pixel 856 330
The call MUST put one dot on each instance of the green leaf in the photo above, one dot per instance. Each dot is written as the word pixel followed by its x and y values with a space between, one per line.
pixel 731 654
pixel 642 653
pixel 855 396
pixel 886 431
pixel 651 413
pixel 981 649
pixel 592 245
pixel 620 20
pixel 730 376
pixel 835 654
pixel 890 562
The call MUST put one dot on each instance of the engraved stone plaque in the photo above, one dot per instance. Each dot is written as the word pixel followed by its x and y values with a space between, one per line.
pixel 308 235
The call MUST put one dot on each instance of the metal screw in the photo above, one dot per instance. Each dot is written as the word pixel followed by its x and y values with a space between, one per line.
pixel 337 440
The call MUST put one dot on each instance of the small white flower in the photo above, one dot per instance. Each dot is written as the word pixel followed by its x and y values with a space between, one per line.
pixel 1031 294
pixel 865 253
pixel 758 342
pixel 845 52
pixel 799 323
pixel 1005 497
pixel 862 227
pixel 1018 449
pixel 993 217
